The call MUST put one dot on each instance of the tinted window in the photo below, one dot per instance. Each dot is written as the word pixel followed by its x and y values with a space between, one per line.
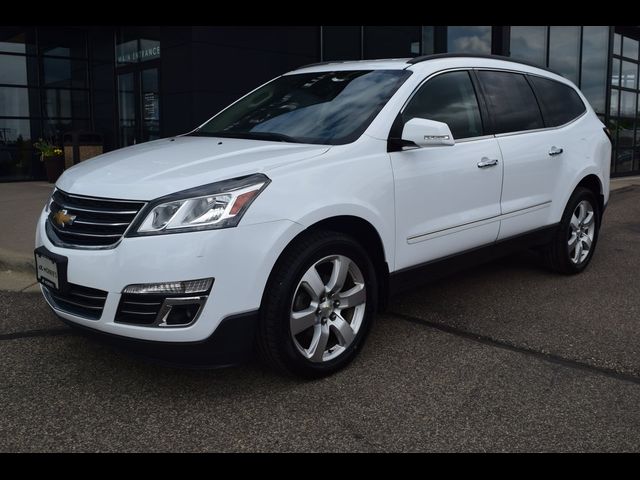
pixel 559 103
pixel 448 98
pixel 324 107
pixel 511 102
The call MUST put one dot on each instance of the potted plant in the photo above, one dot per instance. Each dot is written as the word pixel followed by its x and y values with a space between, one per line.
pixel 53 159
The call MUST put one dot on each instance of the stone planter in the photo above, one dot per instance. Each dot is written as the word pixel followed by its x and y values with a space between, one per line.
pixel 54 166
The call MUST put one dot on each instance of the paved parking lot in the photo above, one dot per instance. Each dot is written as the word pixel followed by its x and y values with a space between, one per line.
pixel 503 357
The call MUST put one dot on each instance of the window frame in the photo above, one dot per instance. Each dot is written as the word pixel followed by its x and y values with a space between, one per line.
pixel 395 132
pixel 527 75
pixel 407 75
pixel 475 92
pixel 38 88
pixel 488 130
pixel 615 115
pixel 490 115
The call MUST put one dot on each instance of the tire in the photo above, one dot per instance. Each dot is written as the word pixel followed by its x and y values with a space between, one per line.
pixel 293 302
pixel 560 256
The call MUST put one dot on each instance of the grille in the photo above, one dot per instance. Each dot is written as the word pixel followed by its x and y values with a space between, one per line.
pixel 82 301
pixel 139 309
pixel 98 222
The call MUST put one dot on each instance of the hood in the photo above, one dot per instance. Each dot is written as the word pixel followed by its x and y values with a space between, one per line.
pixel 153 169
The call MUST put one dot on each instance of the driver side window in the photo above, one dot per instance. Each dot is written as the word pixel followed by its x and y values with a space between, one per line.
pixel 448 98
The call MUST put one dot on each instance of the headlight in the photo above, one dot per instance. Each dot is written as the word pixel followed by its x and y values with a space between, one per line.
pixel 47 206
pixel 218 205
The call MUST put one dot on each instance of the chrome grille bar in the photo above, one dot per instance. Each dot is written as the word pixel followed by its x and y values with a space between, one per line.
pixel 90 222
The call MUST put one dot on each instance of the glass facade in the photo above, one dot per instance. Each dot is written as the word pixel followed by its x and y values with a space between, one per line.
pixel 606 72
pixel 44 92
pixel 580 54
pixel 469 40
pixel 593 68
pixel 529 44
pixel 138 54
pixel 137 83
pixel 623 109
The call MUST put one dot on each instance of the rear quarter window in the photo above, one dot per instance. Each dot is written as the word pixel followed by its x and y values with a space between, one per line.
pixel 559 102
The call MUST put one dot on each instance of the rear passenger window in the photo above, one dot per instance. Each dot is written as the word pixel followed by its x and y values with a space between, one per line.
pixel 559 102
pixel 448 98
pixel 511 101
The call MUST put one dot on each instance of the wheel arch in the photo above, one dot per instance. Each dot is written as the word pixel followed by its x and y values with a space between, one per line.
pixel 592 182
pixel 589 178
pixel 364 233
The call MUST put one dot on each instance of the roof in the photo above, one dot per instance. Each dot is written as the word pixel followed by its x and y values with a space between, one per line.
pixel 403 63
pixel 382 64
pixel 437 56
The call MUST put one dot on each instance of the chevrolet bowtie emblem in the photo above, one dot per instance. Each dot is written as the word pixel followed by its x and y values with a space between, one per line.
pixel 62 218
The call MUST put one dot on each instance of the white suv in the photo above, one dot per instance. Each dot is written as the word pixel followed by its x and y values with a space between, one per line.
pixel 284 222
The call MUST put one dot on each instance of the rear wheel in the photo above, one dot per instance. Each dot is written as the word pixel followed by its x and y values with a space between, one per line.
pixel 318 305
pixel 575 241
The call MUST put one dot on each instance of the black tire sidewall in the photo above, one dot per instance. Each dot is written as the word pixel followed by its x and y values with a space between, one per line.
pixel 328 244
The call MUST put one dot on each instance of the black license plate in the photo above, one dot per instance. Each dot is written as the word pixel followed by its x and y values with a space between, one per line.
pixel 51 269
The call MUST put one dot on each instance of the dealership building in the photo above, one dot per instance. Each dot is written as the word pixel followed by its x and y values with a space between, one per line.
pixel 134 84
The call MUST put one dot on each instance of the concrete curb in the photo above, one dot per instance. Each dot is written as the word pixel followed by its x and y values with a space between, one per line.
pixel 623 183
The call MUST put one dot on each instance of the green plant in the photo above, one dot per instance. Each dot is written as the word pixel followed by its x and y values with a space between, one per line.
pixel 47 149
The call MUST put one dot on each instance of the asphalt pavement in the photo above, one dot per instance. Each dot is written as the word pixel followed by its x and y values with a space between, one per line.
pixel 503 357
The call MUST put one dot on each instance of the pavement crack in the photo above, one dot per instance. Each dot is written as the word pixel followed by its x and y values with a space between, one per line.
pixel 29 286
pixel 549 357
pixel 45 332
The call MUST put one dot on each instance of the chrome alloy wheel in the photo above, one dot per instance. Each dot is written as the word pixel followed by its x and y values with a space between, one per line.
pixel 327 308
pixel 581 233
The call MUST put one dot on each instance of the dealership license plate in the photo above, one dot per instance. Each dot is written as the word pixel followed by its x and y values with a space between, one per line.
pixel 50 269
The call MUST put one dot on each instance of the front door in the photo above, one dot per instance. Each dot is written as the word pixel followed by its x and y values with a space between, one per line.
pixel 447 197
pixel 138 105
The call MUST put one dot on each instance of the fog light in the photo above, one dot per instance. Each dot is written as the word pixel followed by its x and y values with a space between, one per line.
pixel 180 311
pixel 182 314
pixel 189 287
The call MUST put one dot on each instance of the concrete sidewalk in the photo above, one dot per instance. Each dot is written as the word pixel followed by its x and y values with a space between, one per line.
pixel 20 206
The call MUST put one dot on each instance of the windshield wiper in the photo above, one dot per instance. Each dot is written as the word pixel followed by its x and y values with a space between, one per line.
pixel 276 137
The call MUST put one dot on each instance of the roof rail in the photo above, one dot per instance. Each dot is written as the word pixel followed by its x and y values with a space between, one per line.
pixel 436 56
pixel 362 60
pixel 320 63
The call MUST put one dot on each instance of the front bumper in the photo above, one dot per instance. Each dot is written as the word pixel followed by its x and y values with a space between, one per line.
pixel 240 259
pixel 231 343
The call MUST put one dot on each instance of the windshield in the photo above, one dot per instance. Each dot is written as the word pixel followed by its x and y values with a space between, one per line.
pixel 329 108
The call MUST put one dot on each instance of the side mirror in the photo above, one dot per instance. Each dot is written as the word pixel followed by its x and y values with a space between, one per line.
pixel 427 133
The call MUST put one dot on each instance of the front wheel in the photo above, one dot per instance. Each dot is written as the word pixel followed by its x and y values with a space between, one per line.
pixel 575 241
pixel 318 305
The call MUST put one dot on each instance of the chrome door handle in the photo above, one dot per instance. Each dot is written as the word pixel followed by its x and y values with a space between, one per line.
pixel 486 162
pixel 555 151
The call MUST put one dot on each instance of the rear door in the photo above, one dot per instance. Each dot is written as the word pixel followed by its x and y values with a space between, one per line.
pixel 530 165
